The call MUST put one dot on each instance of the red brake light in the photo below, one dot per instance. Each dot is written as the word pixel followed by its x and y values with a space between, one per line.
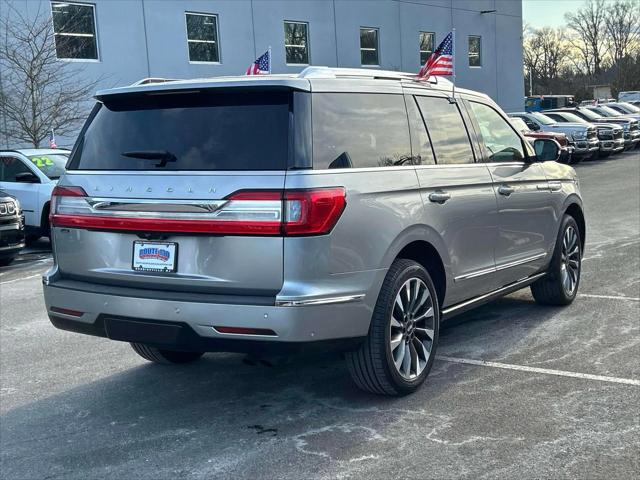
pixel 313 212
pixel 251 212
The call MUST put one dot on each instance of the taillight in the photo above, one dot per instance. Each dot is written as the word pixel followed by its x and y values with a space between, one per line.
pixel 312 212
pixel 69 200
pixel 254 212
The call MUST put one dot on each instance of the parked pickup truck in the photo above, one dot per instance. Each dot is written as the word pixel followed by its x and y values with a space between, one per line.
pixel 629 126
pixel 566 150
pixel 610 134
pixel 583 138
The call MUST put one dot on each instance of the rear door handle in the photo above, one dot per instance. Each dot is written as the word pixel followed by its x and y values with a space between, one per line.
pixel 439 197
pixel 505 190
pixel 555 186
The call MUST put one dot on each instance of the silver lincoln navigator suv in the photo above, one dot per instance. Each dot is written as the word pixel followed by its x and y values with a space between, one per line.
pixel 336 208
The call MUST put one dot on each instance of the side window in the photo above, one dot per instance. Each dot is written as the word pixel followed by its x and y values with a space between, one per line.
pixel 500 139
pixel 446 128
pixel 10 167
pixel 357 130
pixel 420 143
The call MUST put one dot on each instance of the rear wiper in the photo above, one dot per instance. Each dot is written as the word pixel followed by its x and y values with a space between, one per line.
pixel 162 155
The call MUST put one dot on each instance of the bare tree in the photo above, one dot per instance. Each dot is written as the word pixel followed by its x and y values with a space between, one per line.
pixel 545 55
pixel 38 92
pixel 623 36
pixel 589 31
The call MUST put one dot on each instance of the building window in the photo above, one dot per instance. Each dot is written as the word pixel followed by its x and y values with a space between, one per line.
pixel 202 37
pixel 475 51
pixel 369 46
pixel 296 43
pixel 427 40
pixel 74 29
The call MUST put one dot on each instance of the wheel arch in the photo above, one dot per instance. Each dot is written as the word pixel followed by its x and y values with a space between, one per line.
pixel 424 245
pixel 575 210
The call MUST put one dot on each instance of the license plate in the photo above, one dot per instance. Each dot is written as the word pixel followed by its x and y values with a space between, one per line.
pixel 154 257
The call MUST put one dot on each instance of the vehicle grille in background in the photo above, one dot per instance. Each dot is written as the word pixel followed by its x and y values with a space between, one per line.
pixel 633 126
pixel 592 133
pixel 605 134
pixel 617 134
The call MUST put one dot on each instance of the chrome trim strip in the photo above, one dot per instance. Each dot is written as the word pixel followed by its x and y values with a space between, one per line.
pixel 504 266
pixel 498 268
pixel 319 301
pixel 477 273
pixel 514 285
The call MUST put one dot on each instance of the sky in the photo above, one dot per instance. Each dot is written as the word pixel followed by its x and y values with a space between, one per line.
pixel 547 13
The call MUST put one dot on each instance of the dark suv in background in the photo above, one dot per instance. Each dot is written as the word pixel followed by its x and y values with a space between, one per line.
pixel 11 228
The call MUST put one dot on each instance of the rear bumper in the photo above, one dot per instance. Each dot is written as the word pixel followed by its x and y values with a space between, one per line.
pixel 144 315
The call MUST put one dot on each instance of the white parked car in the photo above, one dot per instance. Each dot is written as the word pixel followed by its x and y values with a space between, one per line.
pixel 30 175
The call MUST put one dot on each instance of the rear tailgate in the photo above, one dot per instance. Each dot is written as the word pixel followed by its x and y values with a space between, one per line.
pixel 194 179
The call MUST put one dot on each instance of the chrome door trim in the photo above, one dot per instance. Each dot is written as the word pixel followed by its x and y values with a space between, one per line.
pixel 497 268
pixel 512 287
pixel 504 266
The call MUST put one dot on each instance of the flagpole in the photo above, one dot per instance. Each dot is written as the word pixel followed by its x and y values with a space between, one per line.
pixel 269 59
pixel 454 63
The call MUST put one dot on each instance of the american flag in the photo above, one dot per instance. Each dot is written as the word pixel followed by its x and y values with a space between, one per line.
pixel 52 140
pixel 440 62
pixel 262 65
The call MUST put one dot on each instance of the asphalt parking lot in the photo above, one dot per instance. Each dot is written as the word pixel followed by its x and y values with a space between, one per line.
pixel 518 390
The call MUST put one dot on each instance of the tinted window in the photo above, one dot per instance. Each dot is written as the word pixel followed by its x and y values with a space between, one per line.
pixel 189 131
pixel 475 51
pixel 420 143
pixel 359 130
pixel 295 43
pixel 447 130
pixel 10 167
pixel 202 37
pixel 74 30
pixel 369 46
pixel 426 46
pixel 502 142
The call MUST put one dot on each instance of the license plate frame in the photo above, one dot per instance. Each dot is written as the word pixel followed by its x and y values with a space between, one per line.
pixel 155 261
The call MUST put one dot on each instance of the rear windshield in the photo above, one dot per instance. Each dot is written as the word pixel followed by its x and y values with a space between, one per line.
pixel 188 131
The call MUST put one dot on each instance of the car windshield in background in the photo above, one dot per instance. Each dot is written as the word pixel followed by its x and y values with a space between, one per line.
pixel 51 164
pixel 570 117
pixel 519 124
pixel 629 107
pixel 188 131
pixel 591 115
pixel 543 119
pixel 607 112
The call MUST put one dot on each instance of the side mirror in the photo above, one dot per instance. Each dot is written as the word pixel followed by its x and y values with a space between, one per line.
pixel 27 177
pixel 547 150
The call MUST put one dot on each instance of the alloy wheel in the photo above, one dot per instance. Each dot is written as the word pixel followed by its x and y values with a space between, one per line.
pixel 412 328
pixel 570 261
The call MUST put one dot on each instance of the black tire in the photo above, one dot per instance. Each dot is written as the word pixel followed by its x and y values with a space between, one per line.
pixel 550 290
pixel 575 160
pixel 4 261
pixel 165 357
pixel 32 238
pixel 372 366
pixel 604 154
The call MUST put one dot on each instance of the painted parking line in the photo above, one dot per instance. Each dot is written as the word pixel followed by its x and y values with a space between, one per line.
pixel 610 297
pixel 545 371
pixel 20 279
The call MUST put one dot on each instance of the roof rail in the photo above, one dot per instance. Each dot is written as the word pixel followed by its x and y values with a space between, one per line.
pixel 146 81
pixel 331 72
